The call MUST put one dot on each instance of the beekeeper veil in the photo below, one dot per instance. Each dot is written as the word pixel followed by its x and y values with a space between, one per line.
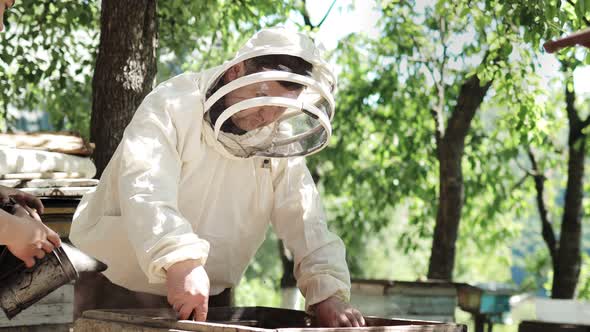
pixel 274 99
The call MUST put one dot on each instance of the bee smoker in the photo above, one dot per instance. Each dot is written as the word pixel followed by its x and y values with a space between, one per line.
pixel 20 287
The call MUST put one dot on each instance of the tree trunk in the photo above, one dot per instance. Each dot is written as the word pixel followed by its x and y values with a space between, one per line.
pixel 566 269
pixel 450 201
pixel 546 228
pixel 124 73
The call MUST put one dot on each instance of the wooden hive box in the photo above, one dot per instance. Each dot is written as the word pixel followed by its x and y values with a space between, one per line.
pixel 491 301
pixel 431 300
pixel 239 319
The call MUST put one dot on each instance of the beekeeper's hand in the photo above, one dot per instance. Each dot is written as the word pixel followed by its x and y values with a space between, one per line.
pixel 188 289
pixel 4 4
pixel 23 198
pixel 27 237
pixel 334 312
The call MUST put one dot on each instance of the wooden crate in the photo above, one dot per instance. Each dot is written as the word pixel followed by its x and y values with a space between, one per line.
pixel 246 319
pixel 434 301
pixel 57 308
pixel 484 300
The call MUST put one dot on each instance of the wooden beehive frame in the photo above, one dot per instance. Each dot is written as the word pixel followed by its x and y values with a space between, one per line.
pixel 238 320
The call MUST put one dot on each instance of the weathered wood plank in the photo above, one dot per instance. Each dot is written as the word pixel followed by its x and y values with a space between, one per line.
pixel 64 142
pixel 42 175
pixel 424 289
pixel 39 328
pixel 165 320
pixel 92 325
pixel 10 183
pixel 373 286
pixel 368 289
pixel 405 299
pixel 407 328
pixel 425 309
pixel 407 304
pixel 52 183
pixel 58 192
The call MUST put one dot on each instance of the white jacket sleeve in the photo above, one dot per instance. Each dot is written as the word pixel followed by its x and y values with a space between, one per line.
pixel 299 220
pixel 148 186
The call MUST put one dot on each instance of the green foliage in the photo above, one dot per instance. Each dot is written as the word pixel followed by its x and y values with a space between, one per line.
pixel 47 53
pixel 584 286
pixel 261 283
pixel 202 34
pixel 544 20
pixel 257 291
pixel 46 58
pixel 384 152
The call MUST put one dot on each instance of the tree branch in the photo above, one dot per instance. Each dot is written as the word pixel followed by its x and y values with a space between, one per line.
pixel 437 111
pixel 521 181
pixel 575 123
pixel 418 60
pixel 305 13
pixel 524 169
pixel 471 95
pixel 547 230
pixel 440 85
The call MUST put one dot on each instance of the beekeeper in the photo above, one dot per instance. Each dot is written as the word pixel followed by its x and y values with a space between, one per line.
pixel 207 163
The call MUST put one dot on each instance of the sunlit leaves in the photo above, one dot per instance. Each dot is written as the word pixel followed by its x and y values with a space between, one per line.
pixel 384 154
pixel 47 54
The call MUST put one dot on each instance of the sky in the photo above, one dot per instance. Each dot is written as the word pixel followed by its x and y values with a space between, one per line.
pixel 344 20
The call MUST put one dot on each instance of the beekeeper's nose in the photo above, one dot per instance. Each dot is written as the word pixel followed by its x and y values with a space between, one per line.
pixel 270 113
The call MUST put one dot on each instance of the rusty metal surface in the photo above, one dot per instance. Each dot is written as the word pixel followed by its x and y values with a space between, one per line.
pixel 21 286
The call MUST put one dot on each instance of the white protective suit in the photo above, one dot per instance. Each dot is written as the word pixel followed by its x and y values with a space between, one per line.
pixel 172 192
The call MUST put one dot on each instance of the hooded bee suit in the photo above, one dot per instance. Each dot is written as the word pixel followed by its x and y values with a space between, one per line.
pixel 179 187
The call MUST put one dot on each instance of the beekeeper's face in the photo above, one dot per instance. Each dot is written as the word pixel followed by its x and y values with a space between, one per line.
pixel 256 117
pixel 274 105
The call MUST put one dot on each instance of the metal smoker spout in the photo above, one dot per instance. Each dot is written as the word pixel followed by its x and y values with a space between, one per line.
pixel 20 287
